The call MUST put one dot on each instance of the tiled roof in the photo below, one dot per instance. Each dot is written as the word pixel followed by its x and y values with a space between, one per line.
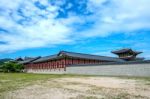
pixel 125 50
pixel 75 55
pixel 29 60
pixel 115 63
pixel 89 56
pixel 42 59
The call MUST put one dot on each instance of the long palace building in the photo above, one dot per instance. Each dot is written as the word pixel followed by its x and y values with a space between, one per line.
pixel 63 59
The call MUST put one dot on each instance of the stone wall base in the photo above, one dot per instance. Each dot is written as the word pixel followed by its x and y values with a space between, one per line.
pixel 111 70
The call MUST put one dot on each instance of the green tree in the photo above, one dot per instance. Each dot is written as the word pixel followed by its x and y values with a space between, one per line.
pixel 2 61
pixel 1 68
pixel 18 67
pixel 12 67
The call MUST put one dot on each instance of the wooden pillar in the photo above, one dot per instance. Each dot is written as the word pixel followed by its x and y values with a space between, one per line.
pixel 85 62
pixel 54 65
pixel 39 66
pixel 49 65
pixel 90 61
pixel 76 61
pixel 31 66
pixel 62 63
pixel 79 61
pixel 62 66
pixel 66 61
pixel 65 64
pixel 94 61
pixel 69 61
pixel 59 64
pixel 46 66
pixel 73 61
pixel 42 65
pixel 34 66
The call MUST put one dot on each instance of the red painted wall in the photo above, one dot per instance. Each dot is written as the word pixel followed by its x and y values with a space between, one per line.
pixel 60 63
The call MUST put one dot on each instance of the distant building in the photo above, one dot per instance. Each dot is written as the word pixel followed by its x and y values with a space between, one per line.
pixel 19 59
pixel 65 58
pixel 128 54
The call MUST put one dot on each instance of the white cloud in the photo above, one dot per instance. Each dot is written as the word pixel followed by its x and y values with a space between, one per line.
pixel 40 27
pixel 37 32
pixel 9 4
pixel 118 16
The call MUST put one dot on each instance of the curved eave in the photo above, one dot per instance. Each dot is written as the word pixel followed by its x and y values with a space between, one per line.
pixel 96 57
pixel 46 58
pixel 119 52
pixel 138 53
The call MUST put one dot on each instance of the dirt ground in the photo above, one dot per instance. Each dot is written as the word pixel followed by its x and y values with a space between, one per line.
pixel 84 88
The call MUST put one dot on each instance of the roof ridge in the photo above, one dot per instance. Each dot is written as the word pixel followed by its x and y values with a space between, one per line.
pixel 89 54
pixel 48 55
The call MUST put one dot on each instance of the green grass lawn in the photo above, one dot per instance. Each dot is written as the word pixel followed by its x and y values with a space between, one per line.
pixel 13 81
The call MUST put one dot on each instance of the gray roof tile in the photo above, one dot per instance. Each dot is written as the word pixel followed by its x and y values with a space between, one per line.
pixel 29 60
pixel 89 56
pixel 42 59
pixel 125 50
pixel 78 55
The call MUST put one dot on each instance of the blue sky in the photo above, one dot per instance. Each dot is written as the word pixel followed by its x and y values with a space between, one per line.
pixel 44 27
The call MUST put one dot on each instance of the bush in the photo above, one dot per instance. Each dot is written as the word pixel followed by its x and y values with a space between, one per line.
pixel 12 67
pixel 1 68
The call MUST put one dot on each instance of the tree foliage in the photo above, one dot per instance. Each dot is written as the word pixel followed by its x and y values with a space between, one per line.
pixel 2 62
pixel 12 67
